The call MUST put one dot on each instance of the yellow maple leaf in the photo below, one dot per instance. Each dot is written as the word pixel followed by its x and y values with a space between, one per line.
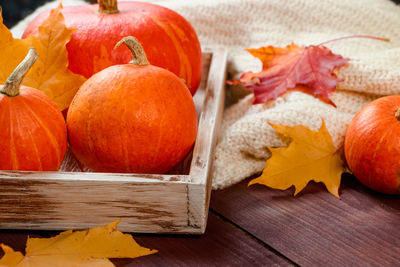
pixel 90 247
pixel 311 155
pixel 50 73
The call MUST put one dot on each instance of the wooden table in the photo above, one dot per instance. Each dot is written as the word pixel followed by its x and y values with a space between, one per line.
pixel 258 226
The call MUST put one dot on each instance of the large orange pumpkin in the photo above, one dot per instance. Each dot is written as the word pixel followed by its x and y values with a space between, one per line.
pixel 132 118
pixel 372 145
pixel 169 40
pixel 33 132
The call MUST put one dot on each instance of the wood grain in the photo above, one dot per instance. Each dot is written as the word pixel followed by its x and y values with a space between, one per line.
pixel 155 207
pixel 315 228
pixel 176 202
pixel 221 245
pixel 203 152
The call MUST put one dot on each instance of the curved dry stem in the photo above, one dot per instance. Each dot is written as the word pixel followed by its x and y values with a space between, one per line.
pixel 11 86
pixel 139 56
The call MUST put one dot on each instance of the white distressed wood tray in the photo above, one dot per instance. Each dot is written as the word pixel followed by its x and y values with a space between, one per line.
pixel 176 202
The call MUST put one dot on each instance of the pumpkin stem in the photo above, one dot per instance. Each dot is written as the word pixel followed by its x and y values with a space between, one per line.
pixel 397 114
pixel 139 56
pixel 108 6
pixel 11 86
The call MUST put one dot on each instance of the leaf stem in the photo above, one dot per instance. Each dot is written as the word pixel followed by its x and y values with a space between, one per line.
pixel 355 36
pixel 11 86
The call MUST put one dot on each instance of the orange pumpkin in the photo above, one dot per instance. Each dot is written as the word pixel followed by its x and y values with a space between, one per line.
pixel 33 130
pixel 372 145
pixel 169 40
pixel 132 118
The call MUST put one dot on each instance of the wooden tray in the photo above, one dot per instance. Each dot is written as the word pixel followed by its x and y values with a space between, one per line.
pixel 176 202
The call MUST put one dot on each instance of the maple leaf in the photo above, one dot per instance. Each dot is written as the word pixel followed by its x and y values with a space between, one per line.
pixel 91 247
pixel 311 155
pixel 50 73
pixel 285 68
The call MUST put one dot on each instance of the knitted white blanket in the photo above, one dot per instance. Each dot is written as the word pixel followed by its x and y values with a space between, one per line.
pixel 374 69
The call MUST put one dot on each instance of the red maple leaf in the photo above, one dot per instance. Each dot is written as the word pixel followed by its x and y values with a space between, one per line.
pixel 286 68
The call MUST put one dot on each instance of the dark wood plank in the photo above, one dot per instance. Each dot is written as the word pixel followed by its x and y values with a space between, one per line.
pixel 315 228
pixel 221 245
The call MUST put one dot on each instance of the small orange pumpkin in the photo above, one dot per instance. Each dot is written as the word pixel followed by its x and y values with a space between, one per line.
pixel 132 118
pixel 372 145
pixel 33 130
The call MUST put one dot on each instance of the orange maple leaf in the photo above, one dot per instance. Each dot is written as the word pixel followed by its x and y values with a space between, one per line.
pixel 286 68
pixel 50 73
pixel 90 247
pixel 311 155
